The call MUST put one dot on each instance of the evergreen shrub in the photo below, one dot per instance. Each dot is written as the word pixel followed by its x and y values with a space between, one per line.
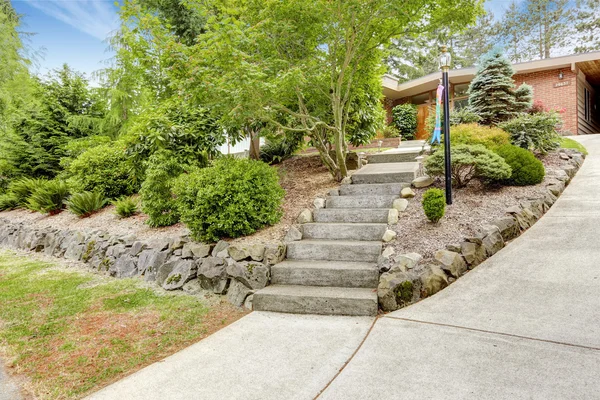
pixel 434 204
pixel 535 132
pixel 126 207
pixel 232 198
pixel 490 137
pixel 526 169
pixel 404 117
pixel 87 203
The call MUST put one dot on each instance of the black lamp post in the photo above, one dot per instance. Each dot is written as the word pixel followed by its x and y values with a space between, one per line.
pixel 445 60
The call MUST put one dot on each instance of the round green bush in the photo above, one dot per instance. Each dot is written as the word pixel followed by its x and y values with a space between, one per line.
pixel 232 198
pixel 405 119
pixel 105 169
pixel 156 193
pixel 434 204
pixel 526 169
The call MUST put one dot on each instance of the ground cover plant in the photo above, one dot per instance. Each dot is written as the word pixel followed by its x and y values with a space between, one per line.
pixel 71 332
pixel 49 198
pixel 86 203
pixel 126 207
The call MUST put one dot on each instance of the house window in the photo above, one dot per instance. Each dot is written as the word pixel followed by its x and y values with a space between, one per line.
pixel 461 96
pixel 587 105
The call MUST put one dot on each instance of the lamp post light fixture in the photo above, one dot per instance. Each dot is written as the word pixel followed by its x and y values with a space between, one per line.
pixel 445 60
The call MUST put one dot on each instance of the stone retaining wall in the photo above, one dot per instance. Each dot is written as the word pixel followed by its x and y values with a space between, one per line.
pixel 405 281
pixel 173 263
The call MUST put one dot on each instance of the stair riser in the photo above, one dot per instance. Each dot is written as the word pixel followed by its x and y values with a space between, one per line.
pixel 315 305
pixel 395 177
pixel 320 277
pixel 393 157
pixel 369 190
pixel 333 251
pixel 343 232
pixel 361 202
pixel 342 216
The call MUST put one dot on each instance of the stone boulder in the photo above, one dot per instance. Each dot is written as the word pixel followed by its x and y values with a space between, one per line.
pixel 491 239
pixel 473 253
pixel 212 274
pixel 294 234
pixel 255 252
pixel 393 216
pixel 237 293
pixel 174 274
pixel 422 181
pixel 400 204
pixel 274 253
pixel 406 262
pixel 305 216
pixel 319 203
pixel 397 290
pixel 149 262
pixel 389 235
pixel 509 228
pixel 220 247
pixel 407 193
pixel 195 250
pixel 254 275
pixel 124 267
pixel 451 262
pixel 433 279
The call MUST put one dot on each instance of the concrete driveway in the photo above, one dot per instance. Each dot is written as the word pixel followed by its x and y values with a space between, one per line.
pixel 525 324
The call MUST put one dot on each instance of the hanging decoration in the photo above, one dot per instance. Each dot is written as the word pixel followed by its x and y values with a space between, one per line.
pixel 437 132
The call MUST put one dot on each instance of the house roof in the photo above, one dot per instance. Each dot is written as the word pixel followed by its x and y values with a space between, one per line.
pixel 393 89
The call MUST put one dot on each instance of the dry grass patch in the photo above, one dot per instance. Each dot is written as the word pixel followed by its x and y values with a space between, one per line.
pixel 70 338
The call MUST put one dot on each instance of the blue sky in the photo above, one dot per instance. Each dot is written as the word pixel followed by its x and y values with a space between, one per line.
pixel 75 31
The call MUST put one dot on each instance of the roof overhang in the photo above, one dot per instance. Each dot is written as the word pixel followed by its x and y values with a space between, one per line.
pixel 392 89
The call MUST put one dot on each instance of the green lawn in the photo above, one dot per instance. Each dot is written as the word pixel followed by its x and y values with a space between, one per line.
pixel 71 332
pixel 568 143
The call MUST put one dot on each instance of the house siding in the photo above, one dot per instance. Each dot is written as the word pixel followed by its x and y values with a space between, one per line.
pixel 586 127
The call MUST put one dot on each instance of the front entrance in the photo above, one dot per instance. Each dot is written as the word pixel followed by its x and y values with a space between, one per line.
pixel 422 114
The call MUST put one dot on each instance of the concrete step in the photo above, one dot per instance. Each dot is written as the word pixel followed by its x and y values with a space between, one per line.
pixel 316 300
pixel 364 215
pixel 395 156
pixel 386 173
pixel 373 189
pixel 373 201
pixel 325 273
pixel 334 250
pixel 336 231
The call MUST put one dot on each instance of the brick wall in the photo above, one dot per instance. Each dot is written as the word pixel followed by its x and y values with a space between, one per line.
pixel 555 98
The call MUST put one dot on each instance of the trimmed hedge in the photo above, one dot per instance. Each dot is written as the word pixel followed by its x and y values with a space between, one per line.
pixel 472 134
pixel 434 204
pixel 526 169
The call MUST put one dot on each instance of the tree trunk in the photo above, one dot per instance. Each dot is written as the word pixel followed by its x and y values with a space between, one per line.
pixel 323 148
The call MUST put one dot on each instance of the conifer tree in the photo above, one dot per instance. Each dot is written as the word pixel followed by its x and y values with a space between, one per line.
pixel 492 93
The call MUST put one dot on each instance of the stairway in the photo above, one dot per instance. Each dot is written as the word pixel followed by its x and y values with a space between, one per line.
pixel 333 269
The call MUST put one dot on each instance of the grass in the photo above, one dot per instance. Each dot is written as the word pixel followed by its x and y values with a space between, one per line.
pixel 567 143
pixel 71 332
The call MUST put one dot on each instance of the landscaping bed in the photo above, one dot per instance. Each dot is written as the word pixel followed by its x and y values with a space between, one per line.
pixel 71 332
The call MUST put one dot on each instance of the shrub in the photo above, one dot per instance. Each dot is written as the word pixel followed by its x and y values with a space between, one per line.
pixel 279 149
pixel 126 207
pixel 156 193
pixel 232 198
pixel 463 116
pixel 23 188
pixel 434 204
pixel 536 132
pixel 86 203
pixel 470 162
pixel 526 169
pixel 8 201
pixel 490 137
pixel 49 198
pixel 404 117
pixel 104 169
pixel 391 132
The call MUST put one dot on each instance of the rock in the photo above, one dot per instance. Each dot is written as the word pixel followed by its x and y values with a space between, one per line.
pixel 433 279
pixel 238 293
pixel 393 216
pixel 319 203
pixel 492 241
pixel 254 275
pixel 127 240
pixel 473 253
pixel 178 242
pixel 150 261
pixel 389 235
pixel 451 262
pixel 293 235
pixel 405 262
pixel 238 252
pixel 192 287
pixel 305 216
pixel 256 251
pixel 422 181
pixel 397 290
pixel 74 252
pixel 400 205
pixel 563 156
pixel 220 246
pixel 195 250
pixel 274 253
pixel 577 159
pixel 137 248
pixel 212 274
pixel 125 267
pixel 453 247
pixel 160 244
pixel 509 228
pixel 407 193
pixel 334 192
pixel 384 260
pixel 570 170
pixel 248 302
pixel 556 190
pixel 346 181
pixel 181 272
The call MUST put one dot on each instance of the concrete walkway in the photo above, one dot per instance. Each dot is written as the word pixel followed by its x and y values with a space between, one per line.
pixel 525 324
pixel 9 389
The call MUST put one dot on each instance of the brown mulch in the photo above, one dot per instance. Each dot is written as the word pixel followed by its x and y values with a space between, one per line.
pixel 472 207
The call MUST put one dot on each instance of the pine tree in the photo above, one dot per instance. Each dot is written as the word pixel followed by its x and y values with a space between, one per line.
pixel 492 93
pixel 588 25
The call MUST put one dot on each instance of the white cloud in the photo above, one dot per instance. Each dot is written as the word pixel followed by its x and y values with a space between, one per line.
pixel 97 18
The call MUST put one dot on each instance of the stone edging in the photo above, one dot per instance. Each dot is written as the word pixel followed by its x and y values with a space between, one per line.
pixel 172 263
pixel 400 284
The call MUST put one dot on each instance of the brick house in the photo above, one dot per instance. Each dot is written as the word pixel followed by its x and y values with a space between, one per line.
pixel 570 84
